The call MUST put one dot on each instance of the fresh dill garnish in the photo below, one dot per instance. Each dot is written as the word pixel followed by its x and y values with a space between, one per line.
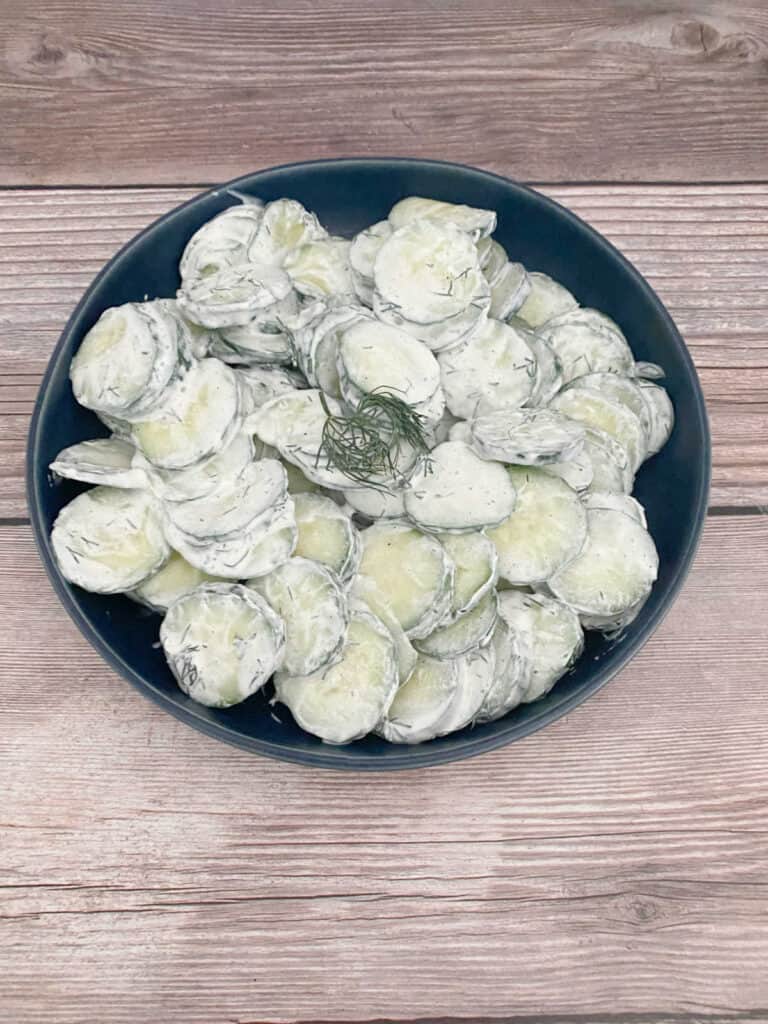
pixel 366 445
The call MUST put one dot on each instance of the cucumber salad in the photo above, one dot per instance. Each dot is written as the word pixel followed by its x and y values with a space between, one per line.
pixel 391 476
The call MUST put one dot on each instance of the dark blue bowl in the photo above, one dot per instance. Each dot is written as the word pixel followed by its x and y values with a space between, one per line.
pixel 347 195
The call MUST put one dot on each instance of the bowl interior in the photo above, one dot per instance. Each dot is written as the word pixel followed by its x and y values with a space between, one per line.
pixel 348 195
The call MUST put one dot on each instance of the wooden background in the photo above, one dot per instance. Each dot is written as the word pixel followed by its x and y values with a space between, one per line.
pixel 612 869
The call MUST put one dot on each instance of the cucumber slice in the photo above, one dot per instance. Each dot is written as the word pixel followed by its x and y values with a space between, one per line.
pixel 549 635
pixel 266 545
pixel 201 478
pixel 648 371
pixel 476 675
pixel 316 342
pixel 126 360
pixel 436 433
pixel 611 470
pixel 109 540
pixel 196 340
pixel 615 570
pixel 293 421
pixel 586 341
pixel 421 702
pixel 321 268
pixel 578 472
pixel 362 257
pixel 327 534
pixel 509 291
pixel 221 242
pixel 546 299
pixel 366 590
pixel 549 373
pixel 527 437
pixel 623 390
pixel 461 431
pixel 476 568
pixel 457 491
pixel 510 675
pixel 373 356
pixel 428 272
pixel 547 529
pixel 103 461
pixel 200 413
pixel 261 340
pixel 597 410
pixel 444 334
pixel 258 384
pixel 285 226
pixel 310 601
pixel 377 504
pixel 618 503
pixel 346 701
pixel 222 643
pixel 496 367
pixel 493 259
pixel 235 504
pixel 470 631
pixel 662 415
pixel 172 581
pixel 476 222
pixel 233 296
pixel 412 571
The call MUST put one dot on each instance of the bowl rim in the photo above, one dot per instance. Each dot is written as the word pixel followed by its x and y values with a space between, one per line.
pixel 350 758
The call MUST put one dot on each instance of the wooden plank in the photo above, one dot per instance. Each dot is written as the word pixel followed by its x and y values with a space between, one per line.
pixel 175 92
pixel 614 863
pixel 704 249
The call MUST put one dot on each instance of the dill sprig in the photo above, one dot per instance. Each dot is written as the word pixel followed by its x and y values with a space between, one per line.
pixel 367 444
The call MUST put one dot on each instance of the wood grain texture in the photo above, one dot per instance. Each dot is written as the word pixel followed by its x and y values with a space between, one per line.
pixel 613 864
pixel 705 250
pixel 101 93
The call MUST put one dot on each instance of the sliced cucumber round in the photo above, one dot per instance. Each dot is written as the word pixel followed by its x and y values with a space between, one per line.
pixel 258 384
pixel 662 415
pixel 107 461
pixel 476 222
pixel 586 341
pixel 457 491
pixel 234 296
pixel 222 642
pixel 545 300
pixel 172 581
pixel 623 390
pixel 374 503
pixel 346 701
pixel 200 415
pixel 428 271
pixel 200 478
pixel 476 566
pixel 476 675
pixel 509 291
pixel 362 257
pixel 235 504
pixel 421 702
pixel 495 369
pixel 321 268
pixel 618 503
pixel 269 542
pixel 550 638
pixel 466 633
pixel 221 242
pixel 374 356
pixel 547 529
pixel 597 410
pixel 510 677
pixel 262 340
pixel 327 534
pixel 526 437
pixel 309 599
pixel 614 571
pixel 285 226
pixel 109 540
pixel 493 259
pixel 365 589
pixel 609 461
pixel 412 571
